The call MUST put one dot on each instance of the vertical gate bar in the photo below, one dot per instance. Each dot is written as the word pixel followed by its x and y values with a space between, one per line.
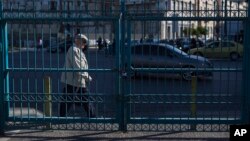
pixel 128 70
pixel 225 22
pixel 118 85
pixel 2 116
pixel 122 122
pixel 6 67
pixel 4 85
pixel 194 100
pixel 245 111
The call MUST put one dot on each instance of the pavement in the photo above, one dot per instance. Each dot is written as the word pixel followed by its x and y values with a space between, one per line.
pixel 82 135
pixel 58 135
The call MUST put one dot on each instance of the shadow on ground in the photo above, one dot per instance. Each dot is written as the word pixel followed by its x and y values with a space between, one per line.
pixel 113 135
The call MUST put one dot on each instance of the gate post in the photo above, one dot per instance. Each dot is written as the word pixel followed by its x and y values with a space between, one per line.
pixel 2 113
pixel 245 112
pixel 4 82
pixel 122 115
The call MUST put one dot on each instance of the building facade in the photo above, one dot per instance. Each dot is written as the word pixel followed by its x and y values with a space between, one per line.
pixel 106 8
pixel 174 29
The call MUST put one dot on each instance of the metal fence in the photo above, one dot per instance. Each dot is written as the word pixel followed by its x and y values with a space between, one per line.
pixel 161 65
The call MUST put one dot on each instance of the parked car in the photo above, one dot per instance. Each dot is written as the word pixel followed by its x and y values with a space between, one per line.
pixel 186 44
pixel 166 56
pixel 220 49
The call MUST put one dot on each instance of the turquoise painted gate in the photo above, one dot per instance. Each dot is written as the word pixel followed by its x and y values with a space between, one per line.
pixel 160 66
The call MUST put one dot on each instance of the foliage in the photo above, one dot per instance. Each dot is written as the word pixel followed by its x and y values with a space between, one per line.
pixel 195 31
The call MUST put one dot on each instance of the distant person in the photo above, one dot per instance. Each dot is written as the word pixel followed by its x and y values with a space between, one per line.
pixel 105 43
pixel 193 43
pixel 113 47
pixel 141 40
pixel 99 43
pixel 40 44
pixel 76 81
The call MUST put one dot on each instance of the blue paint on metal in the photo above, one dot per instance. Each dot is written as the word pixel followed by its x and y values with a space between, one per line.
pixel 123 120
pixel 2 72
pixel 126 100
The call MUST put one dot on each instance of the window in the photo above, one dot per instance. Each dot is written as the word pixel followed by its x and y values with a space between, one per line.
pixel 146 50
pixel 214 45
pixel 227 44
pixel 53 5
pixel 185 6
pixel 79 3
pixel 141 50
pixel 192 6
pixel 154 50
pixel 177 5
pixel 163 52
pixel 107 8
pixel 167 52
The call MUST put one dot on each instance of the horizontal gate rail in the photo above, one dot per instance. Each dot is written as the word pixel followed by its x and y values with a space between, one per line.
pixel 65 120
pixel 53 19
pixel 58 70
pixel 152 18
pixel 146 17
pixel 187 69
pixel 133 69
pixel 185 120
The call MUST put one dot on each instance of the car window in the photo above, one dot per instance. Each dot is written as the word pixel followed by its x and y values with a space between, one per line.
pixel 227 44
pixel 146 50
pixel 213 45
pixel 165 52
pixel 154 50
pixel 141 50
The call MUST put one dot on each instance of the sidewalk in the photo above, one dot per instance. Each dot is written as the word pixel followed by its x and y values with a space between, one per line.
pixel 56 135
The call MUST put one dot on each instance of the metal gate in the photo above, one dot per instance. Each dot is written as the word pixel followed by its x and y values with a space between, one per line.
pixel 154 70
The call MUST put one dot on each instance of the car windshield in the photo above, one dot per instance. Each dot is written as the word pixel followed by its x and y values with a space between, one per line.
pixel 213 45
pixel 178 51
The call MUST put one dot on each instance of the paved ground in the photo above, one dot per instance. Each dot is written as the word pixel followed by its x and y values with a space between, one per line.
pixel 111 135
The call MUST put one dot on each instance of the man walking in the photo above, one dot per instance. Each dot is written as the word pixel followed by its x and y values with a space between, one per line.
pixel 76 80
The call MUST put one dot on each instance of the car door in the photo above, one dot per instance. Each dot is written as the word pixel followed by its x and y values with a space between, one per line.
pixel 157 60
pixel 227 48
pixel 212 50
pixel 150 56
pixel 140 56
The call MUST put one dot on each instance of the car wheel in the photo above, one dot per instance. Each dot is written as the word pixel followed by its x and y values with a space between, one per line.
pixel 198 54
pixel 234 56
pixel 188 75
